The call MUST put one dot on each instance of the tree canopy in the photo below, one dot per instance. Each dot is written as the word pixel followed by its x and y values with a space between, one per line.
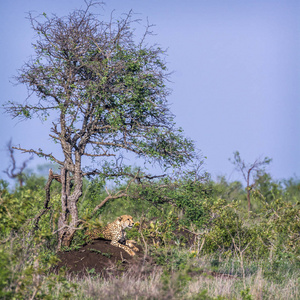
pixel 107 90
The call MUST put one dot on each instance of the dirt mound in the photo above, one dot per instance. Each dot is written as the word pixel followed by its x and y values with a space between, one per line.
pixel 97 257
pixel 101 258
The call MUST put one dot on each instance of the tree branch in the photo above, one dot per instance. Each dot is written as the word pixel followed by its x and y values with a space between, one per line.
pixel 39 153
pixel 12 171
pixel 47 200
pixel 119 194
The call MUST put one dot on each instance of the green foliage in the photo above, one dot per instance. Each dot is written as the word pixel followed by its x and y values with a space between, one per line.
pixel 224 228
pixel 292 190
pixel 171 258
pixel 272 232
pixel 3 185
pixel 281 223
pixel 246 294
pixel 34 182
pixel 227 190
pixel 16 209
pixel 183 197
pixel 5 275
pixel 24 261
pixel 236 243
pixel 161 233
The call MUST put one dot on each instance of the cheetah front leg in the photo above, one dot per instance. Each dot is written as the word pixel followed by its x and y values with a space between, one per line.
pixel 130 244
pixel 126 248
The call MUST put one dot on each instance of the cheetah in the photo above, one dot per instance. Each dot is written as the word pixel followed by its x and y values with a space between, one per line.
pixel 115 232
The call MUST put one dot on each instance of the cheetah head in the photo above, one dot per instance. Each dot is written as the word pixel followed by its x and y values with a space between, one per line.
pixel 126 221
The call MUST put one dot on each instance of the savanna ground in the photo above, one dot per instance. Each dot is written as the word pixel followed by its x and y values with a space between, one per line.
pixel 196 240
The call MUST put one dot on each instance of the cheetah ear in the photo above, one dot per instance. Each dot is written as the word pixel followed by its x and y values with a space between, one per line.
pixel 119 219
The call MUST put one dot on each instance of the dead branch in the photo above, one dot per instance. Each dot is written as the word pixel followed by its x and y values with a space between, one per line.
pixel 47 200
pixel 39 153
pixel 13 171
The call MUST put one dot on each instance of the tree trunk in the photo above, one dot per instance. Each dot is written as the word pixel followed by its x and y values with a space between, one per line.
pixel 68 220
pixel 62 221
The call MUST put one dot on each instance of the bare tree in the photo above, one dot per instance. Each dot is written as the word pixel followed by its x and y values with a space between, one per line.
pixel 107 95
pixel 12 170
pixel 249 172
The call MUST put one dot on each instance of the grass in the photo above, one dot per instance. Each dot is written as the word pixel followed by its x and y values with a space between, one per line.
pixel 102 253
pixel 199 279
pixel 169 272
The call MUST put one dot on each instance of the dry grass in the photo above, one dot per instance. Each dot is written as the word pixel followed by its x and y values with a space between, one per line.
pixel 259 288
pixel 136 284
pixel 130 285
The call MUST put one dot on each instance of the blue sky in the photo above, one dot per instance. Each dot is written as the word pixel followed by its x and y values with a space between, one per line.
pixel 236 80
